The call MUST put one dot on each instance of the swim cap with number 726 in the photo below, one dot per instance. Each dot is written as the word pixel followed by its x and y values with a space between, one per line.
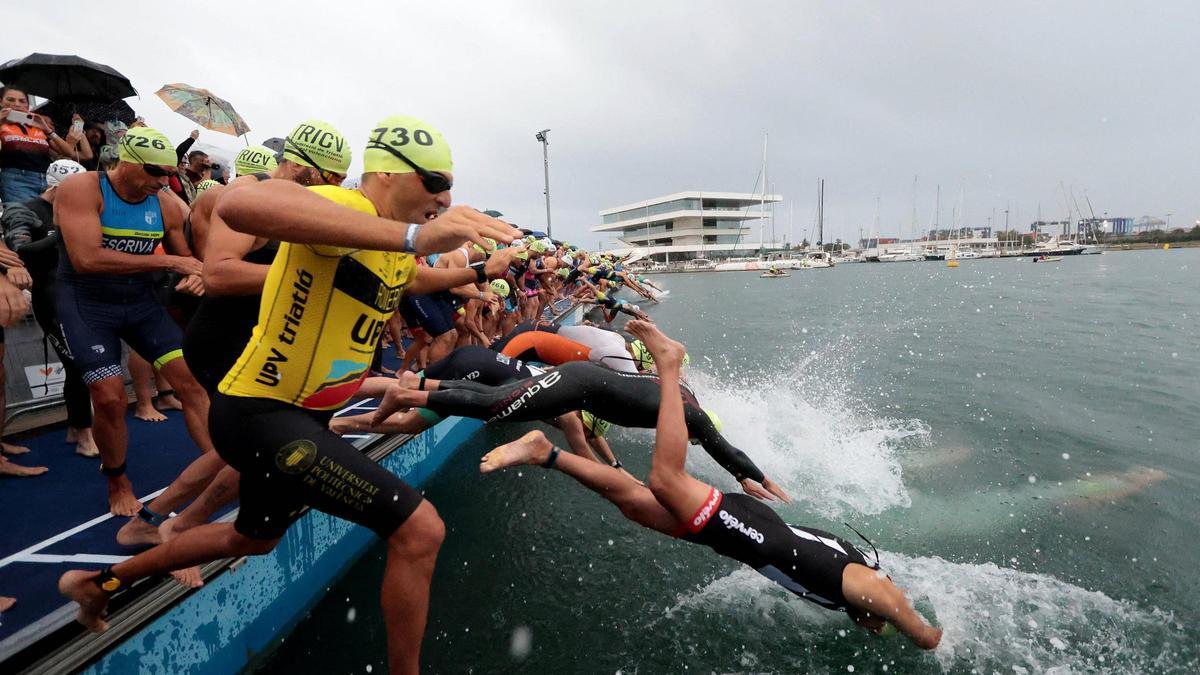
pixel 143 145
pixel 418 141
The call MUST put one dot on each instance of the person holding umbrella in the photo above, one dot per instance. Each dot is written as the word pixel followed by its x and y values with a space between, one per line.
pixel 26 140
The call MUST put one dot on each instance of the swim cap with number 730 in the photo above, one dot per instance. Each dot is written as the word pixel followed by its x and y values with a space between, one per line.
pixel 418 141
pixel 143 145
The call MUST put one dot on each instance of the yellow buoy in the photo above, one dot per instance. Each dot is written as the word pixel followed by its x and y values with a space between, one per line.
pixel 1166 247
pixel 951 263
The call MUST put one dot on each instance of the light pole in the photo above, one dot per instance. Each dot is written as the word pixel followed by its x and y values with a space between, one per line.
pixel 545 141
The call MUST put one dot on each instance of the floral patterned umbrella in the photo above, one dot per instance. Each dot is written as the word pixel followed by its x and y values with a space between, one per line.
pixel 204 108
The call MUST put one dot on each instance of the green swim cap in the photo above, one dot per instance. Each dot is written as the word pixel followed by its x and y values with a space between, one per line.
pixel 594 424
pixel 500 287
pixel 563 272
pixel 715 420
pixel 537 246
pixel 143 145
pixel 319 145
pixel 204 185
pixel 523 254
pixel 641 354
pixel 254 159
pixel 420 143
pixel 483 250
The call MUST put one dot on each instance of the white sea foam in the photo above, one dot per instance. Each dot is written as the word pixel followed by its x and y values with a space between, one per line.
pixel 995 619
pixel 810 434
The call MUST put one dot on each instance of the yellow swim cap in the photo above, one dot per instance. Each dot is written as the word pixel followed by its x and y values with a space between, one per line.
pixel 204 185
pixel 500 287
pixel 594 424
pixel 641 354
pixel 715 420
pixel 317 144
pixel 254 159
pixel 143 145
pixel 420 143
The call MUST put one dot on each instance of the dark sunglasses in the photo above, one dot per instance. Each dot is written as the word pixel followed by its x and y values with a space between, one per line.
pixel 435 183
pixel 329 177
pixel 155 170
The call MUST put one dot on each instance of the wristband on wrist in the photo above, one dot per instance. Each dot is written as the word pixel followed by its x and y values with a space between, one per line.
pixel 480 273
pixel 410 238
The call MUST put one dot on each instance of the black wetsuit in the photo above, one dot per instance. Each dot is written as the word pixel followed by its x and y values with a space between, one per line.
pixel 475 363
pixel 221 325
pixel 806 561
pixel 623 399
pixel 29 231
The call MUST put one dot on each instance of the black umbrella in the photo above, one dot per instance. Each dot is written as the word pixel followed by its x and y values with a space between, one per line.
pixel 60 112
pixel 66 78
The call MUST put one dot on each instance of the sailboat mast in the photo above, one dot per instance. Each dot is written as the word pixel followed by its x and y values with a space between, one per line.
pixel 762 202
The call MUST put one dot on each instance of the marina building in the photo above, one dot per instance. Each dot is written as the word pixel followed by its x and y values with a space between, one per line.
pixel 689 225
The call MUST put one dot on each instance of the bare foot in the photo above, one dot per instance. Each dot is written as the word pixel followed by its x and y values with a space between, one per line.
pixel 188 577
pixel 138 532
pixel 85 443
pixel 77 585
pixel 121 501
pixel 148 413
pixel 10 449
pixel 6 603
pixel 397 399
pixel 532 448
pixel 664 349
pixel 8 468
pixel 167 402
pixel 409 379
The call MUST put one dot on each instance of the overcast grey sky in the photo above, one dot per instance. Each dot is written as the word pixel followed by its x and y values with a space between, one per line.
pixel 999 103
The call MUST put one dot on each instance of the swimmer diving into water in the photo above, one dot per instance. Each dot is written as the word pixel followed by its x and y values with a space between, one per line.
pixel 813 564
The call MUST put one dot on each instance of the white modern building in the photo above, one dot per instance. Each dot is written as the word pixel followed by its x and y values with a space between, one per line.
pixel 688 225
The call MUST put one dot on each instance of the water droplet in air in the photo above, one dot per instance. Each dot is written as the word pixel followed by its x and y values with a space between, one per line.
pixel 521 643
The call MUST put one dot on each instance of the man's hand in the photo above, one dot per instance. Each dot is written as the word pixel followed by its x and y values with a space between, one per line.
pixel 13 305
pixel 195 134
pixel 19 276
pixel 184 265
pixel 8 257
pixel 192 284
pixel 447 231
pixel 773 488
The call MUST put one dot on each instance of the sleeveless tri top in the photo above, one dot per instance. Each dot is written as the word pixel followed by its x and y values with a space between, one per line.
pixel 129 227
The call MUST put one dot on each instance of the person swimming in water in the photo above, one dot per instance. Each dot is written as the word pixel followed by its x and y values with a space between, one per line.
pixel 813 564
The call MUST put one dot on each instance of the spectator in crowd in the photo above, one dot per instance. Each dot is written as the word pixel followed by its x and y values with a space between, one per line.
pixel 93 133
pixel 13 308
pixel 181 184
pixel 25 147
pixel 29 231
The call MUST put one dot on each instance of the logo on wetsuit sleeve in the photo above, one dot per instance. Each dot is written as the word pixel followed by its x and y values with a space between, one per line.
pixel 733 523
pixel 544 383
pixel 296 457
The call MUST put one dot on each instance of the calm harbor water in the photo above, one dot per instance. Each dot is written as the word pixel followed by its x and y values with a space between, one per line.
pixel 1019 440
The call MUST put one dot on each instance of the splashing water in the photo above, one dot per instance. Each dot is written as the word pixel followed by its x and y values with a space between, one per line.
pixel 809 434
pixel 995 620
